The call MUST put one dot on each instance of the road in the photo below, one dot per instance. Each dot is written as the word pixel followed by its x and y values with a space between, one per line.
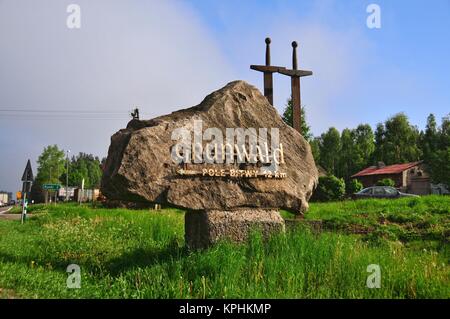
pixel 5 209
pixel 4 213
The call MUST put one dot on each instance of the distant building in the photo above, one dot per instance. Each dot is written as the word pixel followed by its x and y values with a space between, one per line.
pixel 5 197
pixel 86 195
pixel 62 193
pixel 409 177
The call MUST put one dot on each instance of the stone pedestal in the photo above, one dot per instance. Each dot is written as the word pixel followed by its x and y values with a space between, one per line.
pixel 204 228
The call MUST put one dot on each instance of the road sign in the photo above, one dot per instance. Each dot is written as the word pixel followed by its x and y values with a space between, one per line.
pixel 27 179
pixel 53 187
pixel 28 173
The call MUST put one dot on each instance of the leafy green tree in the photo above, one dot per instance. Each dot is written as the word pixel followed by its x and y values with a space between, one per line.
pixel 353 186
pixel 315 149
pixel 288 119
pixel 329 188
pixel 357 147
pixel 364 141
pixel 444 132
pixel 347 155
pixel 330 147
pixel 378 154
pixel 50 165
pixel 429 139
pixel 84 166
pixel 439 160
pixel 440 167
pixel 401 141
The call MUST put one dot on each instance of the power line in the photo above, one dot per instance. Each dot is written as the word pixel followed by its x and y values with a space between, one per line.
pixel 60 111
pixel 9 113
pixel 64 118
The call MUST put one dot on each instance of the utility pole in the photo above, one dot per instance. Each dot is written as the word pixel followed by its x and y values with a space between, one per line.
pixel 67 175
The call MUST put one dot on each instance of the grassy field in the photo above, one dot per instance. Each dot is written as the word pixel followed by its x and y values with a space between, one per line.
pixel 141 254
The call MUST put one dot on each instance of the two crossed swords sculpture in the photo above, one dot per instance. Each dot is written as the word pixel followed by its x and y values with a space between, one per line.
pixel 295 75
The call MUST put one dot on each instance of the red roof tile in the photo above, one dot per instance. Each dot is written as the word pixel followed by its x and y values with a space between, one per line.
pixel 391 169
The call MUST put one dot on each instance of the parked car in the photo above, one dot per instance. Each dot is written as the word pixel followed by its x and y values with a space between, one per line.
pixel 381 192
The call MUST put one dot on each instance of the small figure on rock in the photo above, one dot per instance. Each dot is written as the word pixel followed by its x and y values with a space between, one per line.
pixel 135 114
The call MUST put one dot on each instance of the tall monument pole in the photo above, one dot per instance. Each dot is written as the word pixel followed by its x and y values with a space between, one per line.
pixel 295 75
pixel 268 71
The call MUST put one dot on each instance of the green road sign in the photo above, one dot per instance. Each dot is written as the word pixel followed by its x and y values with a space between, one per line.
pixel 53 187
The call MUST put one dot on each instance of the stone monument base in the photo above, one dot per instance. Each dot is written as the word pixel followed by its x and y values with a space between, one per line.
pixel 204 228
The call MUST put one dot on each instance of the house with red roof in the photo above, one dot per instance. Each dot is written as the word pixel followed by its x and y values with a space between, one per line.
pixel 408 177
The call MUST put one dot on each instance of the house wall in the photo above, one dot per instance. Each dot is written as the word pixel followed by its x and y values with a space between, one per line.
pixel 418 180
pixel 419 186
pixel 415 180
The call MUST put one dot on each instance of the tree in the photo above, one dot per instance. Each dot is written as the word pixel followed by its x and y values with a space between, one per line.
pixel 84 166
pixel 315 148
pixel 364 141
pixel 347 155
pixel 50 165
pixel 439 160
pixel 353 186
pixel 329 188
pixel 378 154
pixel 440 167
pixel 429 139
pixel 357 147
pixel 330 147
pixel 401 140
pixel 444 132
pixel 288 119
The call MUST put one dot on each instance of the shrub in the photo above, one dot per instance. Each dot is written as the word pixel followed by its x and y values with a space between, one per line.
pixel 330 188
pixel 386 182
pixel 353 186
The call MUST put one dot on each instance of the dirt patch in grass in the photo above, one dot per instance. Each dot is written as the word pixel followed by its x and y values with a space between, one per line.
pixel 319 226
pixel 7 294
pixel 13 216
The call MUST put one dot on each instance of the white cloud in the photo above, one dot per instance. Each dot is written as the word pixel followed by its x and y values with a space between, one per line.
pixel 153 54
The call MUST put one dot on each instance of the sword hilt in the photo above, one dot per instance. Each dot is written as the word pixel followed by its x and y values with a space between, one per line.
pixel 268 41
pixel 294 55
pixel 295 72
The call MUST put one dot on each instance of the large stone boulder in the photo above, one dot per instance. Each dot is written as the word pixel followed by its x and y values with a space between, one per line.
pixel 139 167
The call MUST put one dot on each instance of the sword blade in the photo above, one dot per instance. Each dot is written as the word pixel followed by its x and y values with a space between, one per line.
pixel 268 86
pixel 296 111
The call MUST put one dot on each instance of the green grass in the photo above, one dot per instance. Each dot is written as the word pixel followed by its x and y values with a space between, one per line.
pixel 416 222
pixel 141 254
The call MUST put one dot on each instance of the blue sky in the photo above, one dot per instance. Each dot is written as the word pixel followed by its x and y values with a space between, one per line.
pixel 402 67
pixel 165 55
